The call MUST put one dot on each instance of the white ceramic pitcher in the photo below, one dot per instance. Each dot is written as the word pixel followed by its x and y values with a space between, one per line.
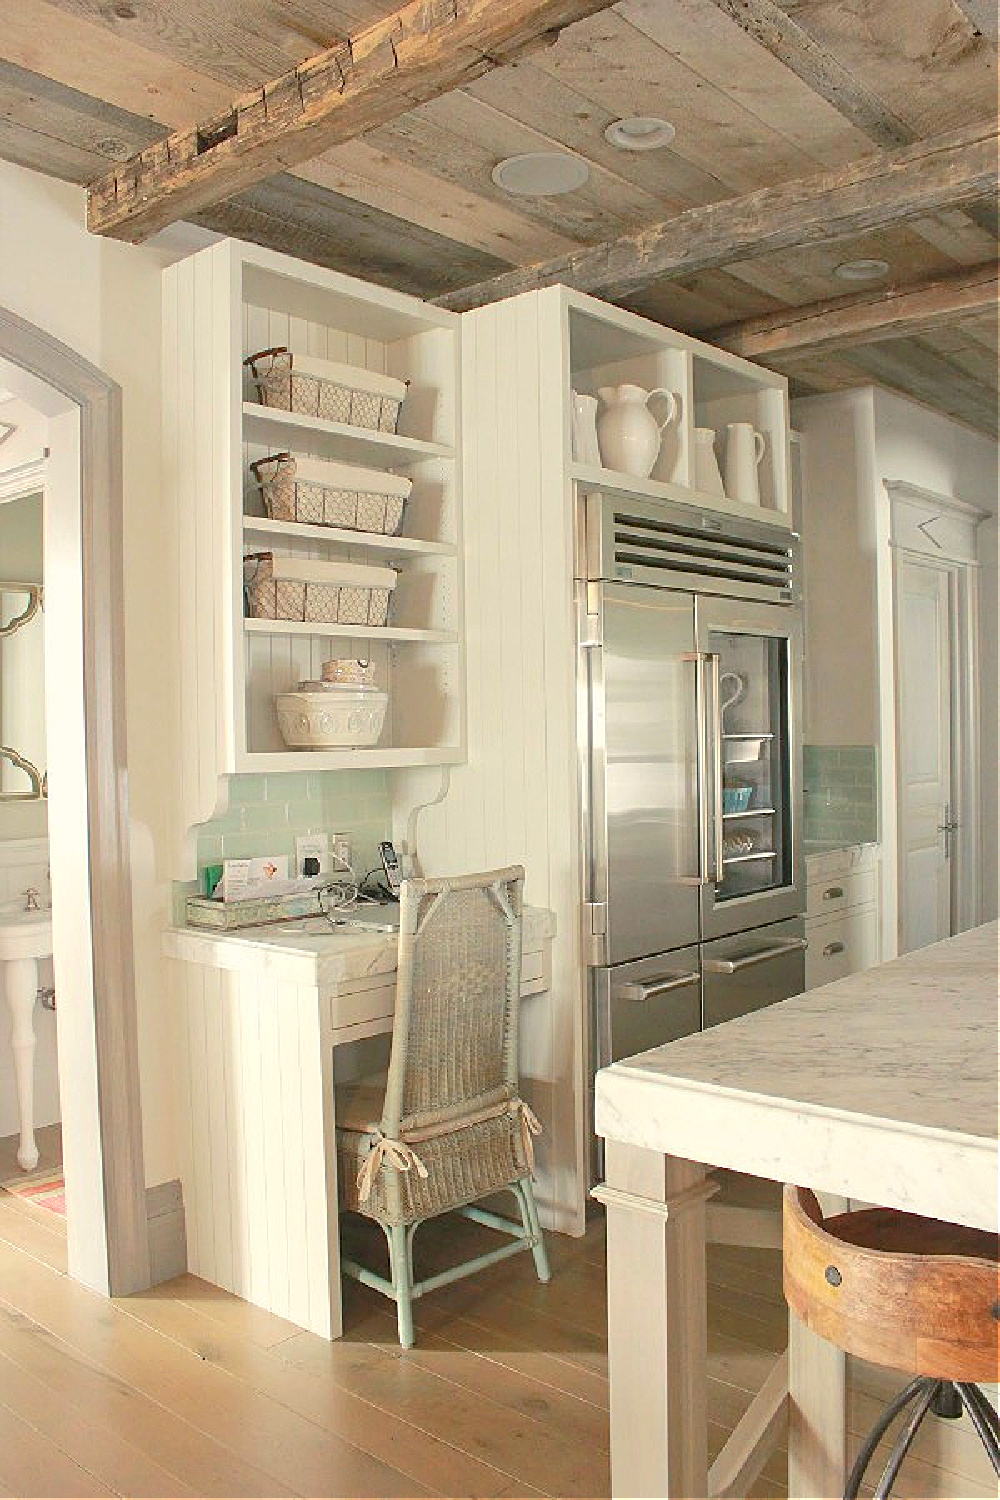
pixel 585 449
pixel 707 476
pixel 744 451
pixel 628 433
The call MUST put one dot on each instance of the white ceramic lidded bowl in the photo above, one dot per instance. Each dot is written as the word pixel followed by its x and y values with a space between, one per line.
pixel 331 716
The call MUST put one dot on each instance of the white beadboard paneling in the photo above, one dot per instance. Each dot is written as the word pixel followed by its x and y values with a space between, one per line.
pixel 272 997
pixel 257 1285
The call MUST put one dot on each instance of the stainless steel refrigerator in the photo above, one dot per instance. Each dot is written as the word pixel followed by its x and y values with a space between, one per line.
pixel 689 693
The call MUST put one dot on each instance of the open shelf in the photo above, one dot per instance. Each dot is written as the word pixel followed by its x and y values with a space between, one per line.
pixel 369 540
pixel 610 481
pixel 356 632
pixel 272 427
pixel 258 761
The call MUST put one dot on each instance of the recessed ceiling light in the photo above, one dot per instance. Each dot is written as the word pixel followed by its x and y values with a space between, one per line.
pixel 640 133
pixel 540 174
pixel 862 270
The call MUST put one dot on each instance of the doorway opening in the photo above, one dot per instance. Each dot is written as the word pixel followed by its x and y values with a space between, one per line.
pixel 108 1246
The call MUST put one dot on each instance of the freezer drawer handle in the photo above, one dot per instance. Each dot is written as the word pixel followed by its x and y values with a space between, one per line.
pixel 643 992
pixel 833 893
pixel 832 948
pixel 734 965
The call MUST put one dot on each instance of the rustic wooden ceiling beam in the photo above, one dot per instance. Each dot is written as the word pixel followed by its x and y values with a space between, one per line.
pixel 983 15
pixel 942 172
pixel 844 322
pixel 425 49
pixel 792 45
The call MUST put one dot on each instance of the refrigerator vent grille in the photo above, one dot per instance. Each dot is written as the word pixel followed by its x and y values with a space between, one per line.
pixel 672 547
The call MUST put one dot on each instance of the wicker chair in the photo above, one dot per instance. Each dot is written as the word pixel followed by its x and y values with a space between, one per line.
pixel 451 1127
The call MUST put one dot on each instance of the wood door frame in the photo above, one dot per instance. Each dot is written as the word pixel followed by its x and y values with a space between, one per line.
pixel 116 1159
pixel 953 551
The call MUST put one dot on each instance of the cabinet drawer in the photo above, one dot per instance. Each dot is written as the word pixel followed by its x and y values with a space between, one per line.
pixel 844 945
pixel 824 897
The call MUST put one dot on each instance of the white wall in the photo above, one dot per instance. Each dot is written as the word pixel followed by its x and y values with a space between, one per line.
pixel 838 557
pixel 988 712
pixel 103 300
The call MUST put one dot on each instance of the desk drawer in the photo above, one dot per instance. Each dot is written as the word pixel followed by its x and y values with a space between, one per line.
pixel 839 892
pixel 843 945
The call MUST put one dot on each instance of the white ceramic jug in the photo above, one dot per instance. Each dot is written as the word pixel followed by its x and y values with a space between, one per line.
pixel 628 433
pixel 585 449
pixel 707 476
pixel 744 451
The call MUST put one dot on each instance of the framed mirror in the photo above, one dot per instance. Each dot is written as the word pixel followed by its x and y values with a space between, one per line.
pixel 22 692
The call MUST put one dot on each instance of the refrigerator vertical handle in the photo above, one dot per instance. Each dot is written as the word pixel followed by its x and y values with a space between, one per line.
pixel 701 754
pixel 717 798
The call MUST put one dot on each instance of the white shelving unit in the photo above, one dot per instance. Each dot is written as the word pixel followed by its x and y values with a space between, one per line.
pixel 609 347
pixel 220 305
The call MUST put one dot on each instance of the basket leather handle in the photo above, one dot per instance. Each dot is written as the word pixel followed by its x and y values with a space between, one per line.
pixel 272 458
pixel 266 354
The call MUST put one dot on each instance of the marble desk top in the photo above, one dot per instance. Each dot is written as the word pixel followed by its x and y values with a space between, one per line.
pixel 309 951
pixel 881 1086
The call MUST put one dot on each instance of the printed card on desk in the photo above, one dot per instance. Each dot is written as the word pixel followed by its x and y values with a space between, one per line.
pixel 243 879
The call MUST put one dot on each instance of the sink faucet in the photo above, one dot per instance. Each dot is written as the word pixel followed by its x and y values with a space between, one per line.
pixel 31 899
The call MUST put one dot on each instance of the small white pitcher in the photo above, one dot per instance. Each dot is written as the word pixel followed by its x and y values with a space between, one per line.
pixel 629 435
pixel 744 451
pixel 585 449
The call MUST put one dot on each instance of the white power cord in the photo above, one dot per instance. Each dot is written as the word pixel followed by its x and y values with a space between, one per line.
pixel 339 892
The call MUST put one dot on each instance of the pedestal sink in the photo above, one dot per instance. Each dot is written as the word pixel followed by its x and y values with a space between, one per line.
pixel 25 937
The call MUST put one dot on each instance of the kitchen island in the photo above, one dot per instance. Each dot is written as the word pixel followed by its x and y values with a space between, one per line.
pixel 880 1087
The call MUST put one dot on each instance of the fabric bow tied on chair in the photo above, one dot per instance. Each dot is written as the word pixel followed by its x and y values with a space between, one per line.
pixel 529 1127
pixel 397 1153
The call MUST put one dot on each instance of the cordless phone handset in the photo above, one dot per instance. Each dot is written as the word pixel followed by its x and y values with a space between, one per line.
pixel 390 864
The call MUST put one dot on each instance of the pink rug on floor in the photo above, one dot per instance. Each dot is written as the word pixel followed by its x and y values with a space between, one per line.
pixel 46 1188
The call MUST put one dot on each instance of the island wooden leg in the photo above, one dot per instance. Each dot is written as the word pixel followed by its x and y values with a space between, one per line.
pixel 817 1427
pixel 657 1327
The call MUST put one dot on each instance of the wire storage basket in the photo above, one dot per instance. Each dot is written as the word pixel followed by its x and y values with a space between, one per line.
pixel 321 388
pixel 309 590
pixel 314 492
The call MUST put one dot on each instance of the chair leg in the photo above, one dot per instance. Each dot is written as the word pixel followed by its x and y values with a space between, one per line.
pixel 885 1421
pixel 904 1440
pixel 529 1218
pixel 402 1281
pixel 984 1419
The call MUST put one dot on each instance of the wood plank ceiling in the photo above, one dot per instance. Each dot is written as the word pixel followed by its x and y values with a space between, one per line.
pixel 762 92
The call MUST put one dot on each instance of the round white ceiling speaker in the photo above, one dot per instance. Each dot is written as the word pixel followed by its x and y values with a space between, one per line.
pixel 640 133
pixel 862 270
pixel 540 174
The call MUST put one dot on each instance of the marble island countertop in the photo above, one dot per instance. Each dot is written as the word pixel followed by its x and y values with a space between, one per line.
pixel 882 1086
pixel 309 951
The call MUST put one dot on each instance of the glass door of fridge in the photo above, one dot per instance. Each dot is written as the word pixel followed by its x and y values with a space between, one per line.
pixel 754 750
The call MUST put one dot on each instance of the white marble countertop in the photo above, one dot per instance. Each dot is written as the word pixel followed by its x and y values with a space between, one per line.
pixel 309 951
pixel 881 1086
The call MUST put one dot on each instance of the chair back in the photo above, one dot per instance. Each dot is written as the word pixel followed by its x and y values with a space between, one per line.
pixel 454 1038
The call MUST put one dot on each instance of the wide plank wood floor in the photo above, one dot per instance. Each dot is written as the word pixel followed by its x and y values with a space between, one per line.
pixel 186 1390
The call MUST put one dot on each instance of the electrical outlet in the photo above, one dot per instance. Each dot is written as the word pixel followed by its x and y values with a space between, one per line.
pixel 312 854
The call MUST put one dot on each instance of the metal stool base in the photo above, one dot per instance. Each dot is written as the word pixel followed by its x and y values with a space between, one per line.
pixel 946 1397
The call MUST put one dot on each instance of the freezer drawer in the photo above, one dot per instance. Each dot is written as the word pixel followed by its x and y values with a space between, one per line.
pixel 646 1003
pixel 752 969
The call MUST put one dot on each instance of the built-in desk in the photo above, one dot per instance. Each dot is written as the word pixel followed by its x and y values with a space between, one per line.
pixel 260 1013
pixel 881 1087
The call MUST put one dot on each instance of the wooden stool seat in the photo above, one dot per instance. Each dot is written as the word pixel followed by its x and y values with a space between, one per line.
pixel 903 1291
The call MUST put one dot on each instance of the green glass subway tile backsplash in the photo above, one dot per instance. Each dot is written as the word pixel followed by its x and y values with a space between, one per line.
pixel 841 803
pixel 266 813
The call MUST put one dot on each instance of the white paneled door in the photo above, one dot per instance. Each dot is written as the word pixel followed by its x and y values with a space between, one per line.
pixel 924 707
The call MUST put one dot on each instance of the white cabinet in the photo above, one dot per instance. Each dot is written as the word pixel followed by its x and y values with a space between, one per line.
pixel 842 927
pixel 220 305
pixel 608 347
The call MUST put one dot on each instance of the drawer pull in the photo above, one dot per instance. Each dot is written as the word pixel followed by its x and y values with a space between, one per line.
pixel 833 893
pixel 643 992
pixel 832 948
